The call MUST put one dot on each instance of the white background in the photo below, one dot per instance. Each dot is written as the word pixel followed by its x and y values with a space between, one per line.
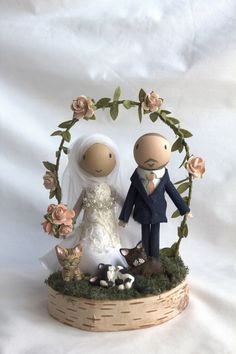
pixel 50 53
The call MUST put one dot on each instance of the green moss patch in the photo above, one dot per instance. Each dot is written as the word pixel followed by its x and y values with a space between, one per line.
pixel 143 286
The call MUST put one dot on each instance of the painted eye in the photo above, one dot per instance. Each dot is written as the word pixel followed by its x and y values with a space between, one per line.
pixel 165 147
pixel 110 155
pixel 83 157
pixel 137 146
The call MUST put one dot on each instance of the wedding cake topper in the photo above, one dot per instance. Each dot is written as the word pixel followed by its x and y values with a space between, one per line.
pixel 89 267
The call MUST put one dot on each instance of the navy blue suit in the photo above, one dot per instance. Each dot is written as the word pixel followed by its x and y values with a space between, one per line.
pixel 150 210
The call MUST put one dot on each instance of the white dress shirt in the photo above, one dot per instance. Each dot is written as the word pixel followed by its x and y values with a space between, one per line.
pixel 144 179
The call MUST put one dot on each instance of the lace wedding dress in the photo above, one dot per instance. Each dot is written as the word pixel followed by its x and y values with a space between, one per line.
pixel 98 231
pixel 99 228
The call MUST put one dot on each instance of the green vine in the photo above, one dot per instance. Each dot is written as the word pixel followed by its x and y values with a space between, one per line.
pixel 179 145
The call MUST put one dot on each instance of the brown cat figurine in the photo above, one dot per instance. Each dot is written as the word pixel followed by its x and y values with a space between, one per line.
pixel 139 263
pixel 69 259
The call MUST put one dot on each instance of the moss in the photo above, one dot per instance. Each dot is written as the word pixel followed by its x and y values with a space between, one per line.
pixel 143 286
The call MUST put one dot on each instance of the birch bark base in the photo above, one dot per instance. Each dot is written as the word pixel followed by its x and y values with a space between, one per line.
pixel 121 315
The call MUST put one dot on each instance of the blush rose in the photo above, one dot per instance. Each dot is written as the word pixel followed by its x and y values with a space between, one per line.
pixel 50 180
pixel 62 215
pixel 82 107
pixel 65 230
pixel 48 227
pixel 196 166
pixel 152 102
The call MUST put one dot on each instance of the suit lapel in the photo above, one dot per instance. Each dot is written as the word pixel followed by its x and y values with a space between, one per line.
pixel 138 184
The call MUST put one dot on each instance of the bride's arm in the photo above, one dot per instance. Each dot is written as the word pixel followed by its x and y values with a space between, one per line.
pixel 79 204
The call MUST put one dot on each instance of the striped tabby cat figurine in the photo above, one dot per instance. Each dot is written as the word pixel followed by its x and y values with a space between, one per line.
pixel 69 259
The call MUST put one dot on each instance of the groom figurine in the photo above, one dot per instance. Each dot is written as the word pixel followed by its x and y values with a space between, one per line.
pixel 146 194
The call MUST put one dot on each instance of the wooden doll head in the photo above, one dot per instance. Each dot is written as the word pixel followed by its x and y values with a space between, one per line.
pixel 152 151
pixel 98 160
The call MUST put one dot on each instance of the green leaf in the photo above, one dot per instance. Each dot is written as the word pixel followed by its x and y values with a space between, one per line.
pixel 175 214
pixel 52 194
pixel 173 120
pixel 181 148
pixel 142 95
pixel 165 111
pixel 177 145
pixel 185 159
pixel 103 102
pixel 185 230
pixel 175 130
pixel 65 150
pixel 181 181
pixel 117 94
pixel 114 110
pixel 49 166
pixel 66 136
pixel 183 187
pixel 179 231
pixel 140 113
pixel 186 133
pixel 153 116
pixel 186 200
pixel 127 104
pixel 57 132
pixel 65 124
pixel 58 193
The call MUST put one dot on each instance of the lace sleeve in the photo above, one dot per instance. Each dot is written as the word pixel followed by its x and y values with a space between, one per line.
pixel 117 196
pixel 79 204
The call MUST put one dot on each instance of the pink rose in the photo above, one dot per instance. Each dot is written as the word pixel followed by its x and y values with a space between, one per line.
pixel 65 230
pixel 48 227
pixel 50 180
pixel 61 215
pixel 196 166
pixel 82 107
pixel 152 102
pixel 51 207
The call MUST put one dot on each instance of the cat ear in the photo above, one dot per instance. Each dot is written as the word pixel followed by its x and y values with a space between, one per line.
pixel 101 265
pixel 119 267
pixel 60 251
pixel 139 245
pixel 78 248
pixel 124 251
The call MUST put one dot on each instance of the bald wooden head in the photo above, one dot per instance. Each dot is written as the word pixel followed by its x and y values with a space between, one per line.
pixel 99 160
pixel 152 151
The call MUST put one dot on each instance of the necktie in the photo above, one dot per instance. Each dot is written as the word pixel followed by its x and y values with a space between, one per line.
pixel 151 185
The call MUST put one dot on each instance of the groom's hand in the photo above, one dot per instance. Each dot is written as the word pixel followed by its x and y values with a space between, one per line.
pixel 122 223
pixel 189 215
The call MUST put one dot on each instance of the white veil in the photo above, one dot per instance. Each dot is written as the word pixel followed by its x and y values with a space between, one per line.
pixel 75 179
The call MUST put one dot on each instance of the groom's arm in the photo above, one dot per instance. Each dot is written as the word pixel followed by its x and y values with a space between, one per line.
pixel 176 198
pixel 128 204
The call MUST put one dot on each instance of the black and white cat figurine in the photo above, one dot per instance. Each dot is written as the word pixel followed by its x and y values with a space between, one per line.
pixel 108 276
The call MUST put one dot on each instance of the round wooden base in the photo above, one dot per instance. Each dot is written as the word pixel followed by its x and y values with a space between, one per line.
pixel 107 315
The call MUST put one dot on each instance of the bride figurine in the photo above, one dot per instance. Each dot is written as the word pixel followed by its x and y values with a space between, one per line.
pixel 91 182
